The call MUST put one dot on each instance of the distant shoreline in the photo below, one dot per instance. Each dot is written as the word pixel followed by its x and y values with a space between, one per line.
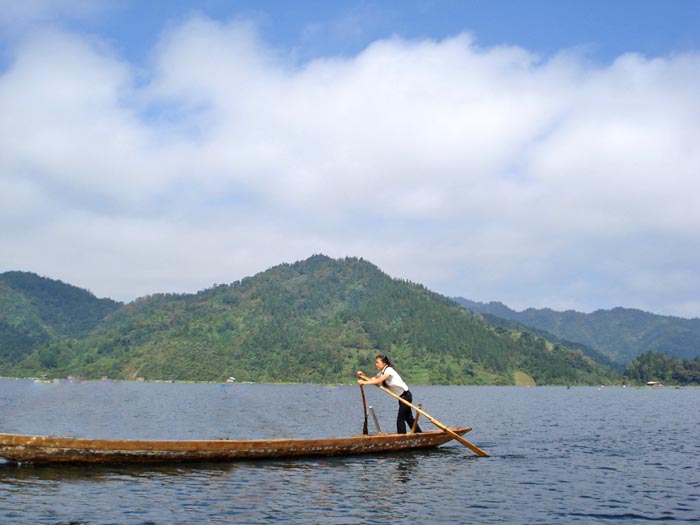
pixel 194 382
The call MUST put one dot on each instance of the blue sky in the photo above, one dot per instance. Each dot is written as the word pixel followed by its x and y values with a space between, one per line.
pixel 539 153
pixel 321 28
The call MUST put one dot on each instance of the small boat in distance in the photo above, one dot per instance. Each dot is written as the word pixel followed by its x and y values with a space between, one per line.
pixel 47 449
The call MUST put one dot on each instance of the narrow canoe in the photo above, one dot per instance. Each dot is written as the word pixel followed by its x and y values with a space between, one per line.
pixel 47 449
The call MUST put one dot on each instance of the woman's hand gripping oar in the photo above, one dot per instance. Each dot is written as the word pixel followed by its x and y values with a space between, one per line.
pixel 434 421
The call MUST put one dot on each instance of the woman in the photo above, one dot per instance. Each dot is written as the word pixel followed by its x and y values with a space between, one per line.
pixel 389 378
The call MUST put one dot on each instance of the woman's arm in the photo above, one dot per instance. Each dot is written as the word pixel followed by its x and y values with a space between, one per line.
pixel 377 380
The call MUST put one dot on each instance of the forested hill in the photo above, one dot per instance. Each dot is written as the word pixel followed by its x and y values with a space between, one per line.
pixel 317 320
pixel 622 334
pixel 35 310
pixel 516 326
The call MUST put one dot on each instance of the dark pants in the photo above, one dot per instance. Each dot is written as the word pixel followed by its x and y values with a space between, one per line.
pixel 405 415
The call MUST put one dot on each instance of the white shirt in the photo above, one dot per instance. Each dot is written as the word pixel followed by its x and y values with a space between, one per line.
pixel 394 381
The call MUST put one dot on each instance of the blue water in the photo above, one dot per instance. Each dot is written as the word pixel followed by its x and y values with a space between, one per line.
pixel 578 455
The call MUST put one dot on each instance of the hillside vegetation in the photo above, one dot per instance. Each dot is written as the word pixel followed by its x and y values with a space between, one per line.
pixel 663 368
pixel 35 311
pixel 621 334
pixel 317 320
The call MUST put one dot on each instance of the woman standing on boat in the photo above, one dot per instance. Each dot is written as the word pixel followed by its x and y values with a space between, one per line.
pixel 388 377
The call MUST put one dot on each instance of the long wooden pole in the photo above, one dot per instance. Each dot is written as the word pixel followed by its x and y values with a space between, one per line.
pixel 365 430
pixel 415 421
pixel 374 418
pixel 434 421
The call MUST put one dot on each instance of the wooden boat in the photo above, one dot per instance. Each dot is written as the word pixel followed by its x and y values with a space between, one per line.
pixel 47 449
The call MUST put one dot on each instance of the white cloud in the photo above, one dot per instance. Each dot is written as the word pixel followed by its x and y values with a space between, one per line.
pixel 487 173
pixel 65 122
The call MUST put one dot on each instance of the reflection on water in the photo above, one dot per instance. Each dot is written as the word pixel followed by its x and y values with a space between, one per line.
pixel 579 455
pixel 405 467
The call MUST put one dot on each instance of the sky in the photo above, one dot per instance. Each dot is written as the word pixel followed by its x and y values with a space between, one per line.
pixel 540 153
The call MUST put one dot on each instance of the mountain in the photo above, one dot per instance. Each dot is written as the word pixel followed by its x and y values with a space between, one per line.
pixel 317 320
pixel 597 356
pixel 35 310
pixel 621 334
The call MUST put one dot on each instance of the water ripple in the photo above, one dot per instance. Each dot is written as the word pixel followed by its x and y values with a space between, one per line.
pixel 582 455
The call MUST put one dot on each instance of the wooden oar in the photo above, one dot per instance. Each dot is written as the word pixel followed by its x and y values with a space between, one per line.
pixel 415 421
pixel 364 405
pixel 376 421
pixel 434 421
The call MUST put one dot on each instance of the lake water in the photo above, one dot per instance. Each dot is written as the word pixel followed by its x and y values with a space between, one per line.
pixel 559 455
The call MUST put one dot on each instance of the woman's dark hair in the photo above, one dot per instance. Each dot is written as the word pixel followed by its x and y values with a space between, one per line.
pixel 385 359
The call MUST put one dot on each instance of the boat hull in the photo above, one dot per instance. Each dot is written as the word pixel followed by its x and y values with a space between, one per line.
pixel 48 449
